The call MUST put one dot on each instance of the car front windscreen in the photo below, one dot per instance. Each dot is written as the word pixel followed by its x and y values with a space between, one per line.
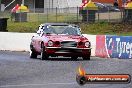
pixel 68 30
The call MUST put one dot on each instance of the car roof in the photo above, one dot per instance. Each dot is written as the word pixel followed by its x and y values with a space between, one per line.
pixel 60 24
pixel 56 24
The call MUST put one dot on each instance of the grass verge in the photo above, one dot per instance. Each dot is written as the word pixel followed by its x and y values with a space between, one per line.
pixel 93 28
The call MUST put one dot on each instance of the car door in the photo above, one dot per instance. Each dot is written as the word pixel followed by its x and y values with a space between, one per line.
pixel 37 39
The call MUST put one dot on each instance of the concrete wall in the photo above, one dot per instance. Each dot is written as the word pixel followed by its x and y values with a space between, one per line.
pixel 21 41
pixel 15 41
pixel 106 46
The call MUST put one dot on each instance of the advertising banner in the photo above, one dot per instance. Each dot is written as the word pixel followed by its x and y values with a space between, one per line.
pixel 119 46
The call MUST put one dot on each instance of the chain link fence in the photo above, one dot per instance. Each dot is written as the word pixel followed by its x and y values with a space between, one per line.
pixel 72 14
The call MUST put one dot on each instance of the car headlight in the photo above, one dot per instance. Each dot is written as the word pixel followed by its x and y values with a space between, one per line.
pixel 87 44
pixel 50 43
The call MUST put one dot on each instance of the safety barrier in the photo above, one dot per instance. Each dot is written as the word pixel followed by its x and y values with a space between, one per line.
pixel 15 41
pixel 106 46
pixel 114 46
pixel 21 41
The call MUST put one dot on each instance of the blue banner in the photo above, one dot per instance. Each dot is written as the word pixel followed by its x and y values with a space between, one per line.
pixel 119 46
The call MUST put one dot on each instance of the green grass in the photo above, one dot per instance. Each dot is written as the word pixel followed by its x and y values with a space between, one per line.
pixel 101 28
pixel 22 27
pixel 35 19
pixel 60 17
pixel 98 28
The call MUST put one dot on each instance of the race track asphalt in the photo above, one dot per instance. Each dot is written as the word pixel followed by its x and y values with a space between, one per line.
pixel 17 70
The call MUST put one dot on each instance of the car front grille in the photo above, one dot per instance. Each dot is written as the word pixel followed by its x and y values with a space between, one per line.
pixel 68 44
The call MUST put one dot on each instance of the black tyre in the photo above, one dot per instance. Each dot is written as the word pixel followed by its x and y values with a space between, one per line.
pixel 33 54
pixel 44 56
pixel 74 57
pixel 86 57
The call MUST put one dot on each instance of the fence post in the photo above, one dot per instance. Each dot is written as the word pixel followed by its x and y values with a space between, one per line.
pixel 56 14
pixel 20 16
pixel 77 13
pixel 47 14
pixel 98 16
pixel 38 17
pixel 108 14
pixel 121 14
pixel 34 6
pixel 87 15
pixel 0 6
pixel 52 6
pixel 44 6
pixel 49 5
pixel 67 16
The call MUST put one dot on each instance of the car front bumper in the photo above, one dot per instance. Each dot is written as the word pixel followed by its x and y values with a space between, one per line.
pixel 68 51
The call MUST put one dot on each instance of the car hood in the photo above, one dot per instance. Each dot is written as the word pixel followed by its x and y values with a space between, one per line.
pixel 66 38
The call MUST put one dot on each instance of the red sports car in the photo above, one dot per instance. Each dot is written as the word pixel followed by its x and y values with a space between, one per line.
pixel 60 39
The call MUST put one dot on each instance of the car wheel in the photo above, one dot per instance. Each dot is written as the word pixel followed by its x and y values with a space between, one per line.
pixel 43 53
pixel 87 57
pixel 33 54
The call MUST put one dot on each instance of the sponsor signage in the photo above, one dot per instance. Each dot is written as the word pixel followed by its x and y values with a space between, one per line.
pixel 119 46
